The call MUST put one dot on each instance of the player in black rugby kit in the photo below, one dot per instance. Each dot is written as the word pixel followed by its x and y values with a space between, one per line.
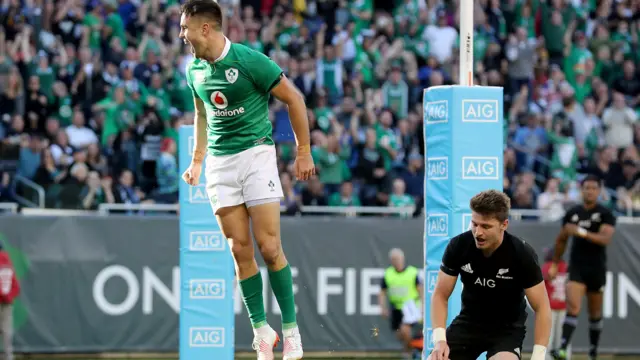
pixel 497 270
pixel 591 226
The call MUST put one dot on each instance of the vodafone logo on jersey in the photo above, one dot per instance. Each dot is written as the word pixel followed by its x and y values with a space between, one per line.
pixel 221 103
pixel 219 100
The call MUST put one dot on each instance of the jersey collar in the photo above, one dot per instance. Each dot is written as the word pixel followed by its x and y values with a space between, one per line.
pixel 225 51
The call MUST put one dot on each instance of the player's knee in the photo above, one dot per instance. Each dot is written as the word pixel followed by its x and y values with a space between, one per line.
pixel 573 308
pixel 242 250
pixel 271 251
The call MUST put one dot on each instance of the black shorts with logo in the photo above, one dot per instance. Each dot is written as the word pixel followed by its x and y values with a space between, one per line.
pixel 467 340
pixel 593 277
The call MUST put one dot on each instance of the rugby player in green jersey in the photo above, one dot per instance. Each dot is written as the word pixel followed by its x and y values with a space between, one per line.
pixel 231 86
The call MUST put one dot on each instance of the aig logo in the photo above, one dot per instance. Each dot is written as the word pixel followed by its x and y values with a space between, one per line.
pixel 480 111
pixel 480 168
pixel 206 288
pixel 206 241
pixel 436 112
pixel 438 225
pixel 206 337
pixel 466 222
pixel 432 277
pixel 198 194
pixel 438 168
pixel 490 283
pixel 191 145
pixel 429 338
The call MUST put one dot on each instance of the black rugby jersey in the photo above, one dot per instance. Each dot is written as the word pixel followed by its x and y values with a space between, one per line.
pixel 493 287
pixel 583 251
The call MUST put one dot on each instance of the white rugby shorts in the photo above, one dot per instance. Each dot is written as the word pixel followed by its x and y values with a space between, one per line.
pixel 247 176
pixel 411 313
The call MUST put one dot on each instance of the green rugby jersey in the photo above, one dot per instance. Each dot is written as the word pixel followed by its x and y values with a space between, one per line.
pixel 235 90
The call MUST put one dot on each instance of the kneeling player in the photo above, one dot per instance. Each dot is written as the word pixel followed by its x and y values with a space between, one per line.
pixel 497 271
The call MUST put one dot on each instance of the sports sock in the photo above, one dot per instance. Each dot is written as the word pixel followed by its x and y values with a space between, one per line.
pixel 251 289
pixel 595 328
pixel 282 286
pixel 570 323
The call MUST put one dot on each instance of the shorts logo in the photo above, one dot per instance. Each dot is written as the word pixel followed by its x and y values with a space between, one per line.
pixel 480 168
pixel 206 288
pixel 206 337
pixel 437 224
pixel 206 241
pixel 231 75
pixel 436 112
pixel 438 168
pixel 198 194
pixel 272 186
pixel 432 278
pixel 219 100
pixel 480 111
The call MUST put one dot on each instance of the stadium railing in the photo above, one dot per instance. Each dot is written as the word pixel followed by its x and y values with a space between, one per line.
pixel 105 209
pixel 29 190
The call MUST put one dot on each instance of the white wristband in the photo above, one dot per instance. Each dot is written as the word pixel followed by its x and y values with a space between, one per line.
pixel 582 232
pixel 439 334
pixel 539 352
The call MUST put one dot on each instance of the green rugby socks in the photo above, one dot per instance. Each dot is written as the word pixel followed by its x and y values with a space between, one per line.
pixel 251 289
pixel 282 286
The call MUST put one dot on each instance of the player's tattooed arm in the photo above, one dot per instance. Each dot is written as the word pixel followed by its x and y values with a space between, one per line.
pixel 199 131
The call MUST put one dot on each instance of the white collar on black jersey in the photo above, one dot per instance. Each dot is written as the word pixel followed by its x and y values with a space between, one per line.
pixel 225 51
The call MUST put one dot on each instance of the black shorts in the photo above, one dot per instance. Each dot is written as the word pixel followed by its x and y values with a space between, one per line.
pixel 467 341
pixel 594 278
pixel 396 319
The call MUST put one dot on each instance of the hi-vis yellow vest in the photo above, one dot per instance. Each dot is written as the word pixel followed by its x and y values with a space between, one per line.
pixel 401 286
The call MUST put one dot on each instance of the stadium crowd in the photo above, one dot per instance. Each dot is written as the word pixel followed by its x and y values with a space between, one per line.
pixel 93 92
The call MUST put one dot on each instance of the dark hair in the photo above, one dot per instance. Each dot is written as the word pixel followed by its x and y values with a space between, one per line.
pixel 491 203
pixel 591 177
pixel 205 8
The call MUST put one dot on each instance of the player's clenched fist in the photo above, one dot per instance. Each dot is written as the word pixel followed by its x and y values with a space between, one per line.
pixel 440 351
pixel 192 175
pixel 303 164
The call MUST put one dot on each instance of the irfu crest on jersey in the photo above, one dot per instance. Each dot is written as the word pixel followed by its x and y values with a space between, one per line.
pixel 231 74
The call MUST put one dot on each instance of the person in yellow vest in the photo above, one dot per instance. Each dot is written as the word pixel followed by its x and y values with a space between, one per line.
pixel 402 288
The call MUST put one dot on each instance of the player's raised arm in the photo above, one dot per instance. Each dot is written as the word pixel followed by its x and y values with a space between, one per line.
pixel 286 92
pixel 536 293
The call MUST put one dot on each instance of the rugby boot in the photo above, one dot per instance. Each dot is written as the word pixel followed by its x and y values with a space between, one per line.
pixel 265 340
pixel 292 344
pixel 559 354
